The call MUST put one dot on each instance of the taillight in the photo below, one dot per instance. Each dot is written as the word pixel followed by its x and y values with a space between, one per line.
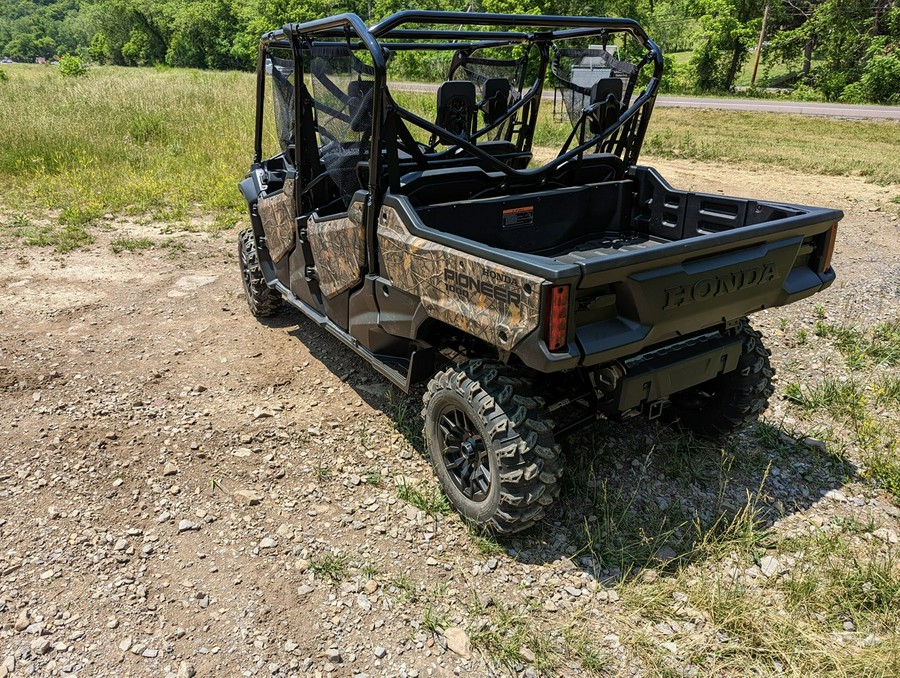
pixel 556 322
pixel 825 259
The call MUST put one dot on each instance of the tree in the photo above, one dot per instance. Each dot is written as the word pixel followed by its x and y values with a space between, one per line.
pixel 728 29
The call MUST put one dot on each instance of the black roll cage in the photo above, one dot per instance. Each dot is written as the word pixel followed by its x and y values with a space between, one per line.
pixel 377 40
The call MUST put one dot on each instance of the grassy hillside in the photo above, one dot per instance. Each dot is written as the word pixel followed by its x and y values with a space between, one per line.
pixel 172 144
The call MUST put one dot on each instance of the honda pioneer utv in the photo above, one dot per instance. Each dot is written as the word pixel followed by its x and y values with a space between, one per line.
pixel 534 289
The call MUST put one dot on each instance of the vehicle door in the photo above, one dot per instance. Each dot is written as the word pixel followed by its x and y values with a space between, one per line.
pixel 340 92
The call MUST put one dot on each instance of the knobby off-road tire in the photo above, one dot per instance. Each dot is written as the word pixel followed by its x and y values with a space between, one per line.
pixel 733 400
pixel 491 445
pixel 262 300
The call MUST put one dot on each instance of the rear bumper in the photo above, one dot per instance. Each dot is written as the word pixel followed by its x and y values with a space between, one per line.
pixel 655 375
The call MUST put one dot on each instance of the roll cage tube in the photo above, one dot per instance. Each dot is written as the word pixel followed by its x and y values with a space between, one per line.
pixel 345 26
pixel 571 27
pixel 342 25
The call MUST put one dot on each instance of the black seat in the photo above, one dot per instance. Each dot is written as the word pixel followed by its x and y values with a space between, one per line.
pixel 593 168
pixel 496 93
pixel 606 103
pixel 456 107
pixel 451 184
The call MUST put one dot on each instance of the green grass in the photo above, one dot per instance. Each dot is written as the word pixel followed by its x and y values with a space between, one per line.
pixel 861 404
pixel 811 144
pixel 173 144
pixel 122 140
pixel 62 238
pixel 839 397
pixel 832 581
pixel 861 349
pixel 330 565
pixel 429 499
pixel 130 244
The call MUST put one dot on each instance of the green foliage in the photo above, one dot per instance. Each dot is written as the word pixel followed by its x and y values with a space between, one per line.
pixel 130 244
pixel 99 49
pixel 881 79
pixel 855 50
pixel 883 468
pixel 70 66
pixel 728 28
pixel 3 76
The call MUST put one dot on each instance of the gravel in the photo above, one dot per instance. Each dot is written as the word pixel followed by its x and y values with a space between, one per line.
pixel 225 489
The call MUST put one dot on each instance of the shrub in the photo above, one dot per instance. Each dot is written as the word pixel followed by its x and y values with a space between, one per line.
pixel 70 66
pixel 677 77
pixel 806 93
pixel 881 79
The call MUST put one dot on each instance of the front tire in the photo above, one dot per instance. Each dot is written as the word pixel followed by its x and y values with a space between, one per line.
pixel 262 300
pixel 491 445
pixel 731 401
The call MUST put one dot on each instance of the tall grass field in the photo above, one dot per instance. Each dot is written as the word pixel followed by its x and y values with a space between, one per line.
pixel 172 144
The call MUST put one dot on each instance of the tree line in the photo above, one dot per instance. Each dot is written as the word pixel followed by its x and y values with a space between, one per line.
pixel 835 49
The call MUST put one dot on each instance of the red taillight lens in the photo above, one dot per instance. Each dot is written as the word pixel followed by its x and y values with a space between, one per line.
pixel 825 259
pixel 557 318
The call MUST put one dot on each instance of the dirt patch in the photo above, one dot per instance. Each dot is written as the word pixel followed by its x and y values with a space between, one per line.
pixel 180 483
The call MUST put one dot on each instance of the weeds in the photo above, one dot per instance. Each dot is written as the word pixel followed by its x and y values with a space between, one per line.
pixel 329 565
pixel 403 589
pixel 839 397
pixel 323 472
pixel 860 349
pixel 60 238
pixel 130 244
pixel 434 621
pixel 404 412
pixel 509 638
pixel 428 499
pixel 883 468
pixel 374 479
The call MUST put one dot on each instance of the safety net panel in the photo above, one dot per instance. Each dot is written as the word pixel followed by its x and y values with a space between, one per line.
pixel 490 75
pixel 342 91
pixel 281 72
pixel 577 73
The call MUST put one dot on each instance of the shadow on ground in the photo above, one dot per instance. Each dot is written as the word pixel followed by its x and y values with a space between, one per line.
pixel 636 494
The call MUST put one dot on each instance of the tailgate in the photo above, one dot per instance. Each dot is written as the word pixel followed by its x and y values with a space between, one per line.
pixel 628 302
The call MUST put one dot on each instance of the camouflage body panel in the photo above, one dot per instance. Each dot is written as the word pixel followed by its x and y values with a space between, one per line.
pixel 339 250
pixel 277 213
pixel 485 299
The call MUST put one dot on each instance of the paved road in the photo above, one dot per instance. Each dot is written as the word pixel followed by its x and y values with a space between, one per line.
pixel 795 107
pixel 760 105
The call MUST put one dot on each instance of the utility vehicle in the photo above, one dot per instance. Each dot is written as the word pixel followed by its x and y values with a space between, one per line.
pixel 534 289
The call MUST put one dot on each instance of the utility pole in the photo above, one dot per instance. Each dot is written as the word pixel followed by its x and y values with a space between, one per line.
pixel 762 35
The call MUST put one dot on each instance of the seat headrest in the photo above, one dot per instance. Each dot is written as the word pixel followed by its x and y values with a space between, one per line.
pixel 496 93
pixel 456 107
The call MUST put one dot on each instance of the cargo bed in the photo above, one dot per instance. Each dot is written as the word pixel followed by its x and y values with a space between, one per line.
pixel 647 263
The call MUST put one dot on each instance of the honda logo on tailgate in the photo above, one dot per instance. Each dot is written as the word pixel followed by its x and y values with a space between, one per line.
pixel 724 283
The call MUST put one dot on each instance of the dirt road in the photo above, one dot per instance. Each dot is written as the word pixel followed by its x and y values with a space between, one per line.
pixel 185 489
